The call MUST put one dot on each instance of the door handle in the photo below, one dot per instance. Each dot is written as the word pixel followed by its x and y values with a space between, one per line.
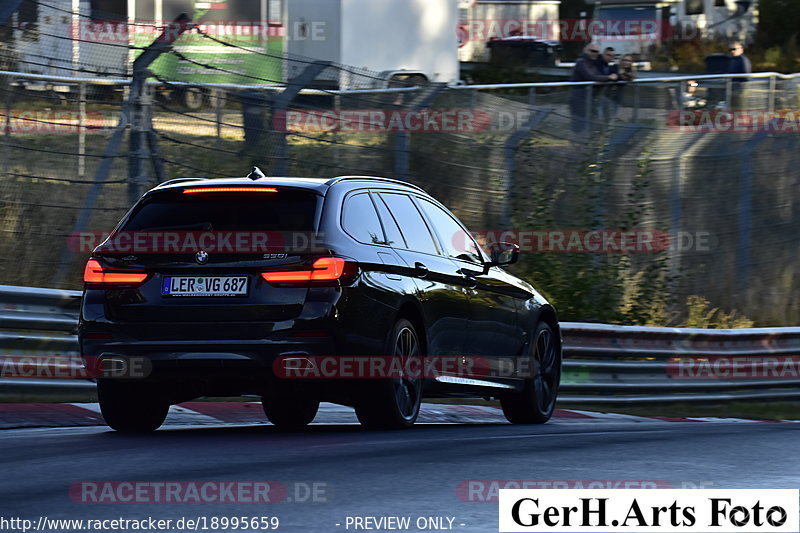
pixel 421 269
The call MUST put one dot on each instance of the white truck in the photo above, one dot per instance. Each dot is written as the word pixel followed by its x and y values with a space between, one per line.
pixel 635 27
pixel 397 38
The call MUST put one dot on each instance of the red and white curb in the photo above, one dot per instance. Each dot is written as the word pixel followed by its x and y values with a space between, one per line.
pixel 20 415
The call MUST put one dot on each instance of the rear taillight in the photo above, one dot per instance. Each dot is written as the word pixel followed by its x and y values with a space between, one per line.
pixel 97 274
pixel 323 271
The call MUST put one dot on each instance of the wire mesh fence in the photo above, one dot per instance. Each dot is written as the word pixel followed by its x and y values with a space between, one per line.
pixel 565 167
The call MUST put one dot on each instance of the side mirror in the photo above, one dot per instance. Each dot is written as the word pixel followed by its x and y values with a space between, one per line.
pixel 503 253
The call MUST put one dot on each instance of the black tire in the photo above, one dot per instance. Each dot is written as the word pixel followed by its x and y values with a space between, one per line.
pixel 394 403
pixel 193 98
pixel 131 407
pixel 290 414
pixel 537 400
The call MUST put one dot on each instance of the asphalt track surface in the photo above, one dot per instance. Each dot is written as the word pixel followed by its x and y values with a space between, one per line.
pixel 422 472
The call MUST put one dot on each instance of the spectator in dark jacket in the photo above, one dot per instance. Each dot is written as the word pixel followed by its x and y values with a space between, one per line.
pixel 605 62
pixel 585 70
pixel 738 64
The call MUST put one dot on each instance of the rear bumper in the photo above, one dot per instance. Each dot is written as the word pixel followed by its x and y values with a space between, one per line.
pixel 231 358
pixel 206 354
pixel 188 369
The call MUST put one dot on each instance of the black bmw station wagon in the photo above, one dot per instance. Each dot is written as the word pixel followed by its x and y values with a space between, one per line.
pixel 361 291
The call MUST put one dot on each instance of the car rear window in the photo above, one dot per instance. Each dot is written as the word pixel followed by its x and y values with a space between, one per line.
pixel 361 221
pixel 285 210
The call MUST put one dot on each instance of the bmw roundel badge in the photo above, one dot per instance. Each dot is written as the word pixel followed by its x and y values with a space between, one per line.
pixel 201 257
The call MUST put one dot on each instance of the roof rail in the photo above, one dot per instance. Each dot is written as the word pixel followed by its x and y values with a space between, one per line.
pixel 337 179
pixel 177 180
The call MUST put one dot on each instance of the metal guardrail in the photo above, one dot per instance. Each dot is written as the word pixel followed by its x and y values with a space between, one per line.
pixel 40 324
pixel 603 364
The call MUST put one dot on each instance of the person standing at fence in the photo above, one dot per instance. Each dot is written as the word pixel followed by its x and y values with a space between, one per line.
pixel 690 99
pixel 605 62
pixel 604 95
pixel 626 72
pixel 738 64
pixel 585 70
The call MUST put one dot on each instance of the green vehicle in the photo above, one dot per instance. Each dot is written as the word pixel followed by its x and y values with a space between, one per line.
pixel 235 41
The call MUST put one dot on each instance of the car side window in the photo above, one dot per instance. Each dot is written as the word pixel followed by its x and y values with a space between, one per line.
pixel 360 220
pixel 457 242
pixel 413 227
pixel 393 234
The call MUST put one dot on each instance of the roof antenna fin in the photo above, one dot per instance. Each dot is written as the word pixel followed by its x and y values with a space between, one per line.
pixel 256 174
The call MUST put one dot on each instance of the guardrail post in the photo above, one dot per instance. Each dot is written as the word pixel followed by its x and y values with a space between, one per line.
pixel 81 130
pixel 219 103
pixel 729 93
pixel 141 127
pixel 589 110
pixel 676 202
pixel 155 152
pixel 140 107
pixel 280 103
pixel 771 94
pixel 510 152
pixel 745 210
pixel 7 123
pixel 337 108
pixel 402 148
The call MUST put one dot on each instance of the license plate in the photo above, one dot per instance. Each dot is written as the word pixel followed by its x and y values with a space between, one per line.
pixel 204 286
